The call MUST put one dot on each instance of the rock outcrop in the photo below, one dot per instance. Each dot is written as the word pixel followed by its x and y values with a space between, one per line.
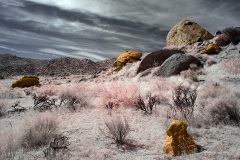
pixel 155 59
pixel 187 32
pixel 126 57
pixel 176 64
pixel 178 141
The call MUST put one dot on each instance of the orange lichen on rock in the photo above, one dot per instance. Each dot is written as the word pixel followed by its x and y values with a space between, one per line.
pixel 26 82
pixel 211 48
pixel 178 141
pixel 126 57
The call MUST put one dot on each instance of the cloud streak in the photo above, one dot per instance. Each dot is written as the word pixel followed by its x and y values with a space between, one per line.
pixel 102 29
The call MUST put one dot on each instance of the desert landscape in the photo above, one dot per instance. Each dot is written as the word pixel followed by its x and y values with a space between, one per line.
pixel 124 115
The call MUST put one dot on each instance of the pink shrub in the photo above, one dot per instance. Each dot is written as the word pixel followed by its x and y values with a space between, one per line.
pixel 210 62
pixel 173 47
pixel 231 65
pixel 49 89
pixel 221 39
pixel 191 50
pixel 162 89
pixel 121 93
pixel 154 71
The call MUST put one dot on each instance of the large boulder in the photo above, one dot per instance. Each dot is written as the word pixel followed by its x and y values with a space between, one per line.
pixel 178 141
pixel 26 82
pixel 126 57
pixel 176 64
pixel 187 32
pixel 155 59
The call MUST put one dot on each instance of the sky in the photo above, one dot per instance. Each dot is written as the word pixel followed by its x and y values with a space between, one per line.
pixel 102 29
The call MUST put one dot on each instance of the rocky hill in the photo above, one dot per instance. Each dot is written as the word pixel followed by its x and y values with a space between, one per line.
pixel 11 65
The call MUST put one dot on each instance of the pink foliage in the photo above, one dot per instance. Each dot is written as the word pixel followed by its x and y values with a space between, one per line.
pixel 122 94
pixel 210 62
pixel 173 47
pixel 50 89
pixel 221 39
pixel 191 50
pixel 231 65
pixel 162 89
pixel 154 71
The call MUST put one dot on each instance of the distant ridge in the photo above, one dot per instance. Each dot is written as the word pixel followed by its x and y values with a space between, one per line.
pixel 11 65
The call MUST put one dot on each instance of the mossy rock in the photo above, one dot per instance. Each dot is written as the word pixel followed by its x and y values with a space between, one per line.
pixel 26 82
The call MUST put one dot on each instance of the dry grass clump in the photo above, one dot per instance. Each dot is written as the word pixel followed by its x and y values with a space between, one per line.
pixel 39 132
pixel 9 149
pixel 117 129
pixel 10 93
pixel 226 112
pixel 72 100
pixel 2 109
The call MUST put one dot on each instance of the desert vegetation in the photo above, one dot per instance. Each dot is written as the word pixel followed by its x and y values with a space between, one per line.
pixel 122 115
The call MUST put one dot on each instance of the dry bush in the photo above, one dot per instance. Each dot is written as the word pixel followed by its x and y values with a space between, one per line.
pixel 39 132
pixel 117 129
pixel 17 108
pixel 72 100
pixel 147 108
pixel 58 145
pixel 226 112
pixel 10 148
pixel 10 93
pixel 2 109
pixel 184 101
pixel 43 102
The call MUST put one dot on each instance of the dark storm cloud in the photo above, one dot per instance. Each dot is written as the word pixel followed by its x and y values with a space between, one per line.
pixel 101 29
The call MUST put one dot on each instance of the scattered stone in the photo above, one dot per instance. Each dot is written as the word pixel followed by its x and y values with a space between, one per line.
pixel 186 33
pixel 176 64
pixel 178 141
pixel 155 59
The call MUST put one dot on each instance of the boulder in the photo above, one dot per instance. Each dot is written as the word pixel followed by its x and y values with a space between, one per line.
pixel 211 49
pixel 186 33
pixel 26 82
pixel 126 57
pixel 178 141
pixel 155 59
pixel 176 64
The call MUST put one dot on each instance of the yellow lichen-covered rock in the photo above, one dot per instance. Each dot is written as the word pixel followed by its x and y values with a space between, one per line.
pixel 126 57
pixel 26 82
pixel 178 141
pixel 211 48
pixel 187 32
